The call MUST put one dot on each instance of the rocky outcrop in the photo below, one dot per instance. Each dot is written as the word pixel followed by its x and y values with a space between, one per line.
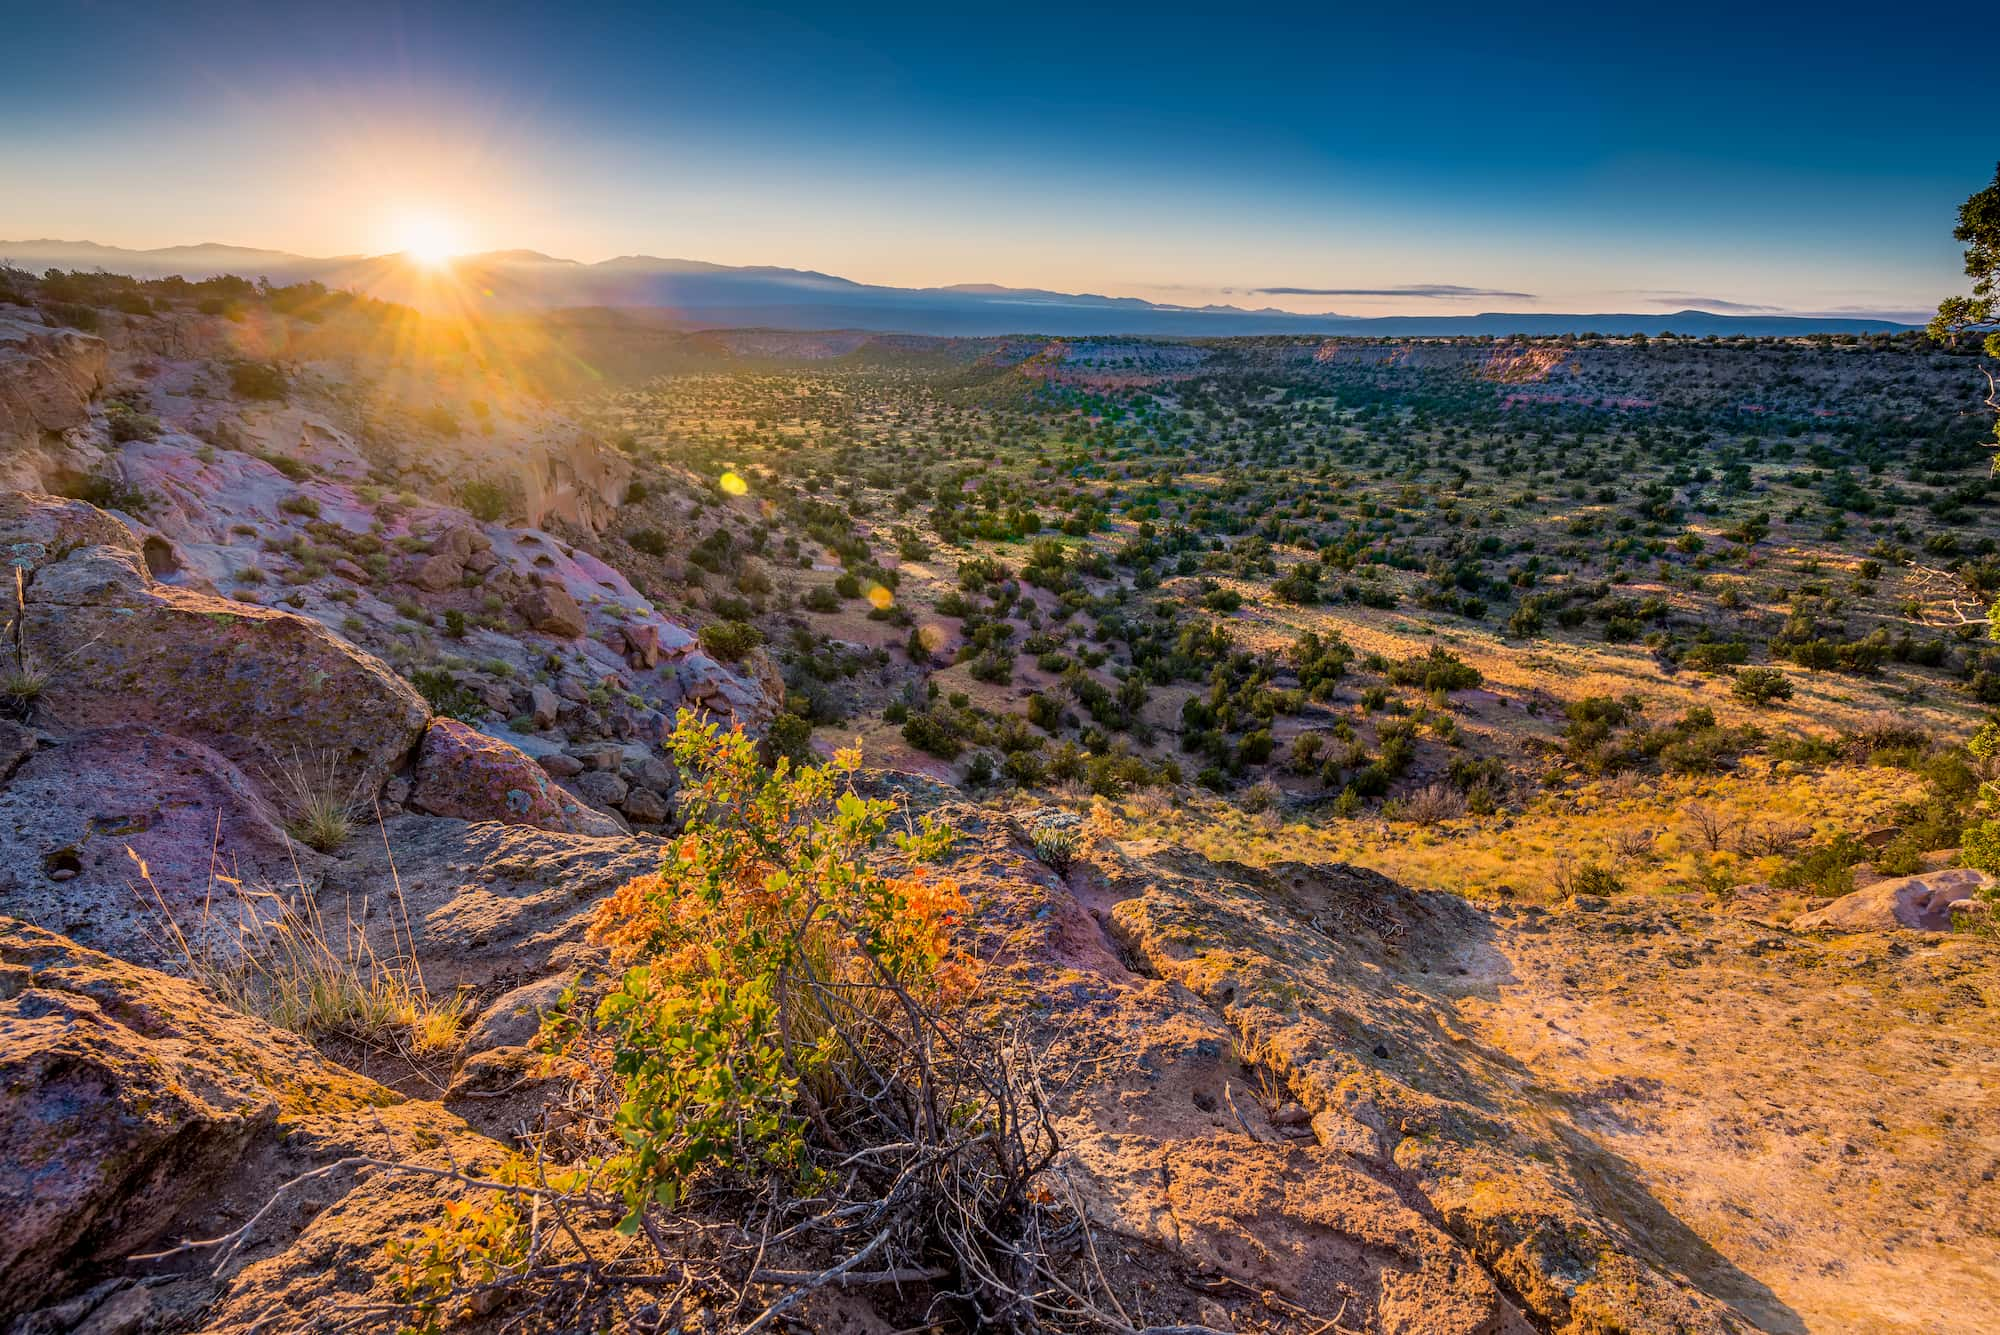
pixel 1576 1104
pixel 144 845
pixel 550 609
pixel 110 1130
pixel 48 376
pixel 264 687
pixel 37 529
pixel 139 1108
pixel 462 772
pixel 489 906
pixel 1305 965
pixel 1921 903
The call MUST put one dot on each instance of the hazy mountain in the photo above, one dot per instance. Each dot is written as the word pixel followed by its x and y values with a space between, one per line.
pixel 717 296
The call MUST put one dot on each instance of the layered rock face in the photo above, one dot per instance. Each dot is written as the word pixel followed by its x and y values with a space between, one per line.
pixel 1431 1115
pixel 48 377
pixel 267 688
pixel 127 838
pixel 140 1110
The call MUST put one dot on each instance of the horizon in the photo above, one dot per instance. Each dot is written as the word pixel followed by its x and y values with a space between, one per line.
pixel 470 285
pixel 1262 164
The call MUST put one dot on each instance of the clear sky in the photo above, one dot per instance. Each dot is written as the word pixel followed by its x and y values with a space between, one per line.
pixel 1367 159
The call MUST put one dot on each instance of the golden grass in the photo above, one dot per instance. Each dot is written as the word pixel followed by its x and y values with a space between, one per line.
pixel 1519 854
pixel 316 801
pixel 300 970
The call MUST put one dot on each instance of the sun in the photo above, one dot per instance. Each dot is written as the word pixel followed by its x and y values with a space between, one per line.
pixel 428 240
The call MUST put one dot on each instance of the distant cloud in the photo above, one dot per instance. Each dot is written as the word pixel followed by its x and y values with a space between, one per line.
pixel 1709 303
pixel 1431 291
pixel 1723 306
pixel 1902 315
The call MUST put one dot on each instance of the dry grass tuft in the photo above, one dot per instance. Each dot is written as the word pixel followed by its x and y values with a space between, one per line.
pixel 300 970
pixel 1430 805
pixel 317 803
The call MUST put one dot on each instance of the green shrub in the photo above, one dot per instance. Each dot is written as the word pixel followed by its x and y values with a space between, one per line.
pixel 258 380
pixel 788 738
pixel 730 640
pixel 1979 846
pixel 446 696
pixel 488 502
pixel 1825 868
pixel 1761 686
pixel 751 960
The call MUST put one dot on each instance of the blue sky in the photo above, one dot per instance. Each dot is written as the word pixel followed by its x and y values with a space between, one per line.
pixel 1384 158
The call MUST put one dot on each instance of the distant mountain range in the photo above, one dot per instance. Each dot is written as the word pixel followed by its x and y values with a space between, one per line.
pixel 698 295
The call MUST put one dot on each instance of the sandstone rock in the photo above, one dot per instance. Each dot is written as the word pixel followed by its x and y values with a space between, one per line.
pixel 649 769
pixel 490 1073
pixel 1918 903
pixel 550 609
pixel 490 906
pixel 599 755
pixel 461 772
pixel 16 744
pixel 642 644
pixel 543 705
pixel 37 529
pixel 103 1141
pixel 1301 975
pixel 437 572
pixel 266 688
pixel 513 1020
pixel 132 1097
pixel 71 813
pixel 444 567
pixel 141 1110
pixel 90 576
pixel 48 377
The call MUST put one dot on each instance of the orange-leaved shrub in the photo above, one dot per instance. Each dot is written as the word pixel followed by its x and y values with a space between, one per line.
pixel 783 967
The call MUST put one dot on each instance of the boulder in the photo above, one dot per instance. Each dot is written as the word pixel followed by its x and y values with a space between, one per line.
pixel 37 529
pixel 437 572
pixel 489 906
pixel 601 788
pixel 464 773
pixel 647 768
pixel 561 764
pixel 645 805
pixel 550 610
pixel 513 1020
pixel 1909 903
pixel 642 644
pixel 113 831
pixel 48 377
pixel 109 1129
pixel 599 755
pixel 141 1110
pixel 449 557
pixel 272 691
